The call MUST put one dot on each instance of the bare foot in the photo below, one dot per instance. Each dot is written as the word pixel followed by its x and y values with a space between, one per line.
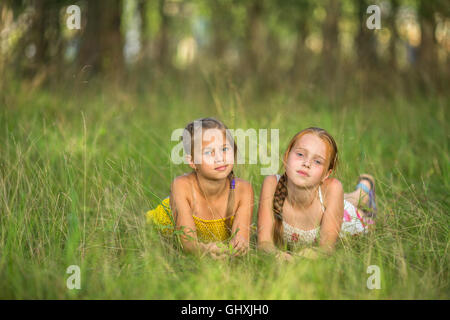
pixel 359 198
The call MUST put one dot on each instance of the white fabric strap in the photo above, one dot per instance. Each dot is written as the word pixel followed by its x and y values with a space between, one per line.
pixel 321 200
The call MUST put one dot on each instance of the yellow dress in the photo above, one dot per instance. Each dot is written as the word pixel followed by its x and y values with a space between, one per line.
pixel 207 230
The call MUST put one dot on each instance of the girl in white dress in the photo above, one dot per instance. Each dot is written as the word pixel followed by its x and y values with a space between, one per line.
pixel 306 206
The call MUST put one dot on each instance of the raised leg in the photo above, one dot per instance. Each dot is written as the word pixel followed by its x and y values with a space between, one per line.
pixel 358 197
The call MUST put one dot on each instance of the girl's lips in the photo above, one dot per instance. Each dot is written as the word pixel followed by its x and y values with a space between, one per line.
pixel 302 173
pixel 222 168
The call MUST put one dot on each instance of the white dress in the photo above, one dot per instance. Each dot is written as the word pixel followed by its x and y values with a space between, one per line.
pixel 352 224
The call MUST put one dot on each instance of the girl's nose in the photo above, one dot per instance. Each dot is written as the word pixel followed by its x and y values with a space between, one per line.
pixel 307 163
pixel 218 156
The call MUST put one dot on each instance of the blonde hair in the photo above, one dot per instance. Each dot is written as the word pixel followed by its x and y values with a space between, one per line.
pixel 281 190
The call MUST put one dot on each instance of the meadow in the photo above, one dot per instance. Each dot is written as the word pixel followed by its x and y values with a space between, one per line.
pixel 78 171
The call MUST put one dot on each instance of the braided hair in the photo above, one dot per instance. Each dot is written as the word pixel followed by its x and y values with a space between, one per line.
pixel 278 200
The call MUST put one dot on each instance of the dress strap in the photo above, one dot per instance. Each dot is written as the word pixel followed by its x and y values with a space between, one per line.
pixel 194 200
pixel 321 200
pixel 278 177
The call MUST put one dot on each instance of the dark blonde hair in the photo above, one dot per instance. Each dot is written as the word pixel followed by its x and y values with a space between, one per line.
pixel 188 145
pixel 281 190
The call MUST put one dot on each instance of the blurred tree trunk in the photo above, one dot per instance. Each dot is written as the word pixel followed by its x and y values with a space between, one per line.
pixel 38 33
pixel 6 20
pixel 330 49
pixel 89 57
pixel 365 39
pixel 143 10
pixel 255 38
pixel 111 38
pixel 367 75
pixel 220 21
pixel 43 44
pixel 394 36
pixel 270 66
pixel 163 38
pixel 298 71
pixel 102 42
pixel 427 57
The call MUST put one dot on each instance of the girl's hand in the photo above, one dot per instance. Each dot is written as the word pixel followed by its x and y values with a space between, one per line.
pixel 239 245
pixel 284 256
pixel 308 253
pixel 215 251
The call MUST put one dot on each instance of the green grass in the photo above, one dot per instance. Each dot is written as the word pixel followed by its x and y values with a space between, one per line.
pixel 77 173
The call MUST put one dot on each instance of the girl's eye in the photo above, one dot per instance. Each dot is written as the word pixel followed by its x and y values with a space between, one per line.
pixel 207 153
pixel 225 149
pixel 300 154
pixel 318 162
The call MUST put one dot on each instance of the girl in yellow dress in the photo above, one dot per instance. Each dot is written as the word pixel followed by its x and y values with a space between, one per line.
pixel 210 205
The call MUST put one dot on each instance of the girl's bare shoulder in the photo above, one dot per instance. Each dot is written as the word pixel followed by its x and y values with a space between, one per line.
pixel 332 187
pixel 242 186
pixel 332 183
pixel 270 182
pixel 182 183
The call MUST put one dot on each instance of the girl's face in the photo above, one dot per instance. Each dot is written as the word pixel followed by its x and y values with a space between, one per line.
pixel 216 155
pixel 307 162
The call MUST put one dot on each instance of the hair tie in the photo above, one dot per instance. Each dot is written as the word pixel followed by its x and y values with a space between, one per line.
pixel 233 184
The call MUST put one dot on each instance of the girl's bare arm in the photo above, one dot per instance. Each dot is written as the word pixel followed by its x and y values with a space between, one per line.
pixel 265 215
pixel 333 215
pixel 243 216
